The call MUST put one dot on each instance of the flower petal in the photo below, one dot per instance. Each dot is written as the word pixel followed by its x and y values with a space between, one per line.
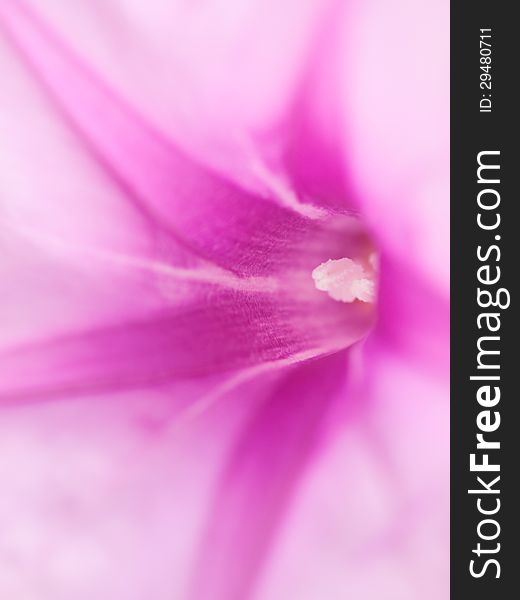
pixel 396 124
pixel 105 497
pixel 213 333
pixel 371 519
pixel 241 231
pixel 374 504
pixel 218 74
pixel 153 199
pixel 261 476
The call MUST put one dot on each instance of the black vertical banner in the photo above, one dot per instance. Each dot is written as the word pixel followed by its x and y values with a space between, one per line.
pixel 485 250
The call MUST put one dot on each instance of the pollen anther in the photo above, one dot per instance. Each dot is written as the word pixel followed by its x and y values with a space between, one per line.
pixel 345 280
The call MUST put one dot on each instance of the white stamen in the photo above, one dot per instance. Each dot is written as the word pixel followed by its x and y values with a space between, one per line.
pixel 345 280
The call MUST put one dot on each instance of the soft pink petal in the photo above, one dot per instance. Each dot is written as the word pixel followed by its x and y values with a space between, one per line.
pixel 373 507
pixel 261 478
pixel 371 519
pixel 313 140
pixel 242 232
pixel 395 74
pixel 74 252
pixel 213 333
pixel 220 75
pixel 51 185
pixel 155 204
pixel 414 318
pixel 106 497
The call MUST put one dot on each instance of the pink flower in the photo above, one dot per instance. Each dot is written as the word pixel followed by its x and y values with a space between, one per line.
pixel 201 399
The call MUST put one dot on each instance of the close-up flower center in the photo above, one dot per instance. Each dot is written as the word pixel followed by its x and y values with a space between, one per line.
pixel 345 280
pixel 211 388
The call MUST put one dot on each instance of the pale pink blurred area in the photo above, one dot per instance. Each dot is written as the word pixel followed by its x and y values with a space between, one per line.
pixel 106 497
pixel 397 126
pixel 183 415
pixel 216 75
